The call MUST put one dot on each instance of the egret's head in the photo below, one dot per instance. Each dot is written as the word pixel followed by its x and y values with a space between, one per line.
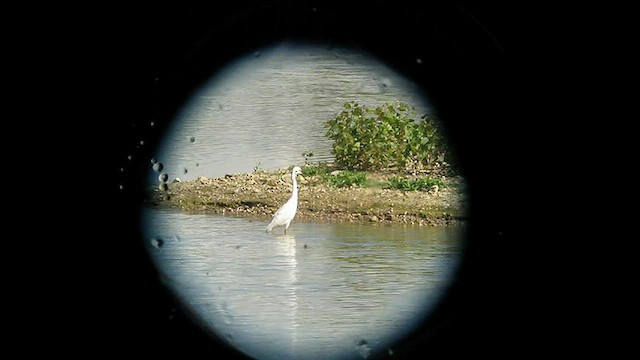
pixel 297 170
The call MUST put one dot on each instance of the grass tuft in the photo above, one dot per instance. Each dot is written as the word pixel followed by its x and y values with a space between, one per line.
pixel 417 184
pixel 347 178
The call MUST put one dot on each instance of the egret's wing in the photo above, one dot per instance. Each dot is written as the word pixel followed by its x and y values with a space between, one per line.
pixel 286 212
pixel 280 217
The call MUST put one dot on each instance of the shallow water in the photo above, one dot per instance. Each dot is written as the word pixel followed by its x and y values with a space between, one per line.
pixel 321 291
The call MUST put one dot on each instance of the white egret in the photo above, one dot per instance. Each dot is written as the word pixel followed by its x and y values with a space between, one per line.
pixel 287 212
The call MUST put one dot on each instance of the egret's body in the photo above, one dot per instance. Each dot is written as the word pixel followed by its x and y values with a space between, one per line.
pixel 287 212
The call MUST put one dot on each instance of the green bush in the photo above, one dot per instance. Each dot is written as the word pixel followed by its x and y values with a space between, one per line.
pixel 347 178
pixel 385 137
pixel 405 184
pixel 320 169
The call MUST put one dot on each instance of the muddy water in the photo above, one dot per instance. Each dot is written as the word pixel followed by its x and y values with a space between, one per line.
pixel 321 291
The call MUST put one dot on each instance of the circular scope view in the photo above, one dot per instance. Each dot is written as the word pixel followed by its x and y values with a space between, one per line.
pixel 305 204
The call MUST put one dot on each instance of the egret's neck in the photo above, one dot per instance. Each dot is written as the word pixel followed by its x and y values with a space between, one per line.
pixel 295 186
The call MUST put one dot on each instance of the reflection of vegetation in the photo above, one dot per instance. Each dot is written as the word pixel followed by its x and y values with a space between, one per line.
pixel 386 137
pixel 371 260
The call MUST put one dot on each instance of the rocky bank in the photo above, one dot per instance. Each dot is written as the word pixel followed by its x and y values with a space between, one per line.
pixel 260 194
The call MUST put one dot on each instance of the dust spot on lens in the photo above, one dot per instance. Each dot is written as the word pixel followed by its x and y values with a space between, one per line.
pixel 157 243
pixel 386 82
pixel 362 347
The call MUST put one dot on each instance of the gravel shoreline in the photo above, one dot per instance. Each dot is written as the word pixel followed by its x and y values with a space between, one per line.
pixel 260 194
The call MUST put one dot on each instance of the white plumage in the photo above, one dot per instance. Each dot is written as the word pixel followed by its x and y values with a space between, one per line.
pixel 287 212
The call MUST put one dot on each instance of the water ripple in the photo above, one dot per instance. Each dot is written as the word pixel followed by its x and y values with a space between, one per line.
pixel 271 300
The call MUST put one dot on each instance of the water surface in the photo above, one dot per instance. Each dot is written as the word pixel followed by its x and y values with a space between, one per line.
pixel 321 291
pixel 266 109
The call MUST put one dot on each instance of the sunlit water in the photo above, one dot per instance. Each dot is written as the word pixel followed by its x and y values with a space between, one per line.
pixel 266 109
pixel 321 291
